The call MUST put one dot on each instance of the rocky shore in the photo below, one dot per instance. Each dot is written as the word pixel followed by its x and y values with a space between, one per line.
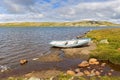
pixel 92 67
pixel 64 61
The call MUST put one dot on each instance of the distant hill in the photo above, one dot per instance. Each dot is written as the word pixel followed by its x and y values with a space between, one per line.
pixel 58 24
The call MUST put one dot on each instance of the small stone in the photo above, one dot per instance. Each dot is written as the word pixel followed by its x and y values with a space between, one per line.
pixel 70 72
pixel 109 74
pixel 79 74
pixel 97 63
pixel 93 71
pixel 77 70
pixel 34 78
pixel 97 73
pixel 34 59
pixel 103 64
pixel 111 70
pixel 101 70
pixel 88 67
pixel 83 64
pixel 118 49
pixel 86 72
pixel 23 61
pixel 52 78
pixel 4 68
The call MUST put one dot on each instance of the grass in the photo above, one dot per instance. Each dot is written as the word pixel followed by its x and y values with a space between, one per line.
pixel 58 24
pixel 106 51
pixel 68 77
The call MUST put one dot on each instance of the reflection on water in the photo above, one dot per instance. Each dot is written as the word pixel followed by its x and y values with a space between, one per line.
pixel 20 43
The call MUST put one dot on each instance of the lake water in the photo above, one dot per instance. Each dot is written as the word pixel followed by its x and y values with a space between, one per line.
pixel 28 43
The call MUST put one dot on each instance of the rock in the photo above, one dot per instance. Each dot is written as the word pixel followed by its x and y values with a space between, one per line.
pixel 103 64
pixel 52 78
pixel 111 70
pixel 88 67
pixel 105 41
pixel 93 71
pixel 70 72
pixel 35 59
pixel 109 74
pixel 80 74
pixel 83 64
pixel 34 78
pixel 101 70
pixel 23 61
pixel 97 73
pixel 4 68
pixel 93 61
pixel 77 70
pixel 86 72
pixel 118 49
pixel 97 63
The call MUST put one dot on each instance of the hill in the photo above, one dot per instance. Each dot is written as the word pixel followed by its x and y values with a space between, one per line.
pixel 58 24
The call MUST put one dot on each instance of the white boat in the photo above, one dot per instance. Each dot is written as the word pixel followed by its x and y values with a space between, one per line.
pixel 70 43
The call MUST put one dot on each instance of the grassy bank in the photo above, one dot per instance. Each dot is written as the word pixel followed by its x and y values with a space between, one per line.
pixel 68 77
pixel 107 51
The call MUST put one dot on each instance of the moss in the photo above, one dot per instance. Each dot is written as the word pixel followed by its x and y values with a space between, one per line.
pixel 106 51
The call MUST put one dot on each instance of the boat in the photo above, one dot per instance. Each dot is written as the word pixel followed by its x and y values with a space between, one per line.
pixel 70 43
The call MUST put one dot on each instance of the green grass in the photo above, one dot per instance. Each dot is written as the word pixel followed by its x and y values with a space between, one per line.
pixel 15 78
pixel 58 24
pixel 106 51
pixel 69 77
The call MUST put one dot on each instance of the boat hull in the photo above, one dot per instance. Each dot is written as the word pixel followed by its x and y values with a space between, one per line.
pixel 70 43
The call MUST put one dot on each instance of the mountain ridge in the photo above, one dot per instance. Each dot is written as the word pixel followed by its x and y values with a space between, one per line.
pixel 58 24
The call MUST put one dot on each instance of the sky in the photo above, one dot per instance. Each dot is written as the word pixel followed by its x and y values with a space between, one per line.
pixel 59 10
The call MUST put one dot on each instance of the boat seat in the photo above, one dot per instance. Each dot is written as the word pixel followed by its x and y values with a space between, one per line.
pixel 71 42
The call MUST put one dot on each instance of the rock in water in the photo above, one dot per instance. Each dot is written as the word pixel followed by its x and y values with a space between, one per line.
pixel 23 61
pixel 83 64
pixel 4 68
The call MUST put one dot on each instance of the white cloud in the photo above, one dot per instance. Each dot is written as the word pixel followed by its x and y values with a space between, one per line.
pixel 60 10
pixel 96 10
pixel 20 17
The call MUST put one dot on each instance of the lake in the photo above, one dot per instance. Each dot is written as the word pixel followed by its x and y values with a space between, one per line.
pixel 28 43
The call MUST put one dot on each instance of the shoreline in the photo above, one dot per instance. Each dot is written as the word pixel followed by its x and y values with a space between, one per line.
pixel 69 59
pixel 60 61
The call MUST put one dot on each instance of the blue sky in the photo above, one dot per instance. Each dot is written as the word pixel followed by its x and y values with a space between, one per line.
pixel 59 10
